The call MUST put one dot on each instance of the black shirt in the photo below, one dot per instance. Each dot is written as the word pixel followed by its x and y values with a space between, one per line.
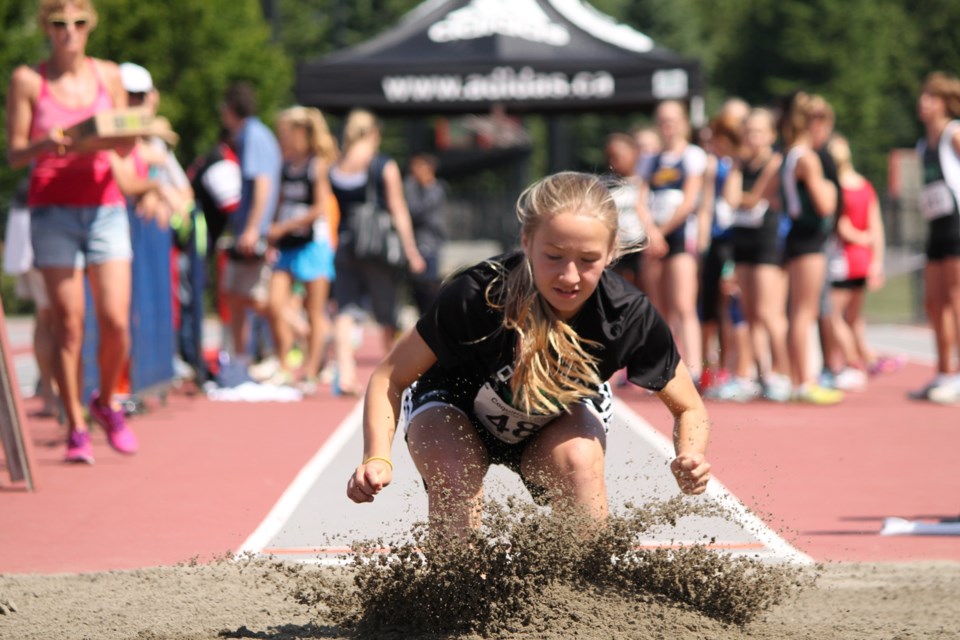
pixel 472 347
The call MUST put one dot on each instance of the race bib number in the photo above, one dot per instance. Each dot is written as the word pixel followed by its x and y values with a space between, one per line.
pixel 936 200
pixel 751 218
pixel 664 203
pixel 503 420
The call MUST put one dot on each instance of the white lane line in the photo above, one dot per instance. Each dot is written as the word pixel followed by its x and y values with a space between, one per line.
pixel 301 485
pixel 715 490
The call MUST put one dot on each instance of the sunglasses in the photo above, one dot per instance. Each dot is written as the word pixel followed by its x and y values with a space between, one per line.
pixel 78 24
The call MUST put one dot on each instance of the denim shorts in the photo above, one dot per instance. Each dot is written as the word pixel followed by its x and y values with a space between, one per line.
pixel 66 236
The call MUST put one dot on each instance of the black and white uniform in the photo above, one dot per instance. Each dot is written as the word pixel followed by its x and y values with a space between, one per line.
pixel 756 230
pixel 476 354
pixel 940 195
pixel 666 174
pixel 808 230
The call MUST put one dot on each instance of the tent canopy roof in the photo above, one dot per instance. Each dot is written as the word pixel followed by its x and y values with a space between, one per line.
pixel 450 56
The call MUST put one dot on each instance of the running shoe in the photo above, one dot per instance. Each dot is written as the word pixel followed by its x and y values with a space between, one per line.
pixel 923 393
pixel 79 449
pixel 828 379
pixel 851 379
pixel 946 393
pixel 264 369
pixel 886 364
pixel 736 390
pixel 777 388
pixel 308 386
pixel 815 394
pixel 119 435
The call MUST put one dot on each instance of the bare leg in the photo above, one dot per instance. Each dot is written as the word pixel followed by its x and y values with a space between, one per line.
pixel 951 273
pixel 346 359
pixel 110 284
pixel 452 461
pixel 771 288
pixel 281 284
pixel 806 280
pixel 938 315
pixel 567 458
pixel 680 273
pixel 318 292
pixel 67 307
pixel 44 350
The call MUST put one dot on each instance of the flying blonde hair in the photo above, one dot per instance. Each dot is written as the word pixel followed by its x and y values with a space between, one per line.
pixel 553 369
pixel 319 138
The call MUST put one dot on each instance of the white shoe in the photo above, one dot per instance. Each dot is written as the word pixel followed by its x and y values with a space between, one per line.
pixel 264 369
pixel 850 379
pixel 946 393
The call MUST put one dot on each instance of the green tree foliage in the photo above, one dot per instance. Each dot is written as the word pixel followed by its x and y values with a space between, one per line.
pixel 194 50
pixel 22 43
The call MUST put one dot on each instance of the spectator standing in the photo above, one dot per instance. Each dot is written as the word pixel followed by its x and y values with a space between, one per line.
pixel 758 254
pixel 363 280
pixel 810 200
pixel 301 233
pixel 246 276
pixel 674 178
pixel 427 201
pixel 78 214
pixel 622 154
pixel 854 264
pixel 821 127
pixel 18 261
pixel 939 110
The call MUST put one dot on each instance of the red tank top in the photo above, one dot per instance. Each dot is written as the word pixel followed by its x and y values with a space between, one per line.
pixel 74 179
pixel 856 207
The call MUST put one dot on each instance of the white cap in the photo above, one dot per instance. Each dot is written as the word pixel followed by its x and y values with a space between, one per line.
pixel 135 78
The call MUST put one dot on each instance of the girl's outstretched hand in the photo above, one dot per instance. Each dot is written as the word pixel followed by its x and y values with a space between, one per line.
pixel 369 479
pixel 692 472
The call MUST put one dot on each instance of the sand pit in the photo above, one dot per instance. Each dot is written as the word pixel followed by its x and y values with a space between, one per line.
pixel 527 575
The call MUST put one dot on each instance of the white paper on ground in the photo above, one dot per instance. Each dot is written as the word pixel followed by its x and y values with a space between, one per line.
pixel 253 392
pixel 903 527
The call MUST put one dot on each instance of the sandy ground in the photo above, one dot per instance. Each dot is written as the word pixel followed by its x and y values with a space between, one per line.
pixel 528 572
pixel 267 599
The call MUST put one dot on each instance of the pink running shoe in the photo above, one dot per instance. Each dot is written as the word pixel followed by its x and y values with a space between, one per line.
pixel 120 436
pixel 78 448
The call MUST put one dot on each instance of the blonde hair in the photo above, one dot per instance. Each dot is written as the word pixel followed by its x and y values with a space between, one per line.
pixel 50 8
pixel 946 87
pixel 553 368
pixel 839 150
pixel 796 117
pixel 311 120
pixel 360 124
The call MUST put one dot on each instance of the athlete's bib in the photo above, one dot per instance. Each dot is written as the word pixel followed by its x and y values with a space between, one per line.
pixel 501 419
pixel 664 203
pixel 936 200
pixel 751 218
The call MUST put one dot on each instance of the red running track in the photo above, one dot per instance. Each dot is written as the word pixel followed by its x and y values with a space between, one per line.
pixel 209 472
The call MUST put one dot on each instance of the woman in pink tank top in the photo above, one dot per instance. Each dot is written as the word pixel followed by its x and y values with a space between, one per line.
pixel 78 213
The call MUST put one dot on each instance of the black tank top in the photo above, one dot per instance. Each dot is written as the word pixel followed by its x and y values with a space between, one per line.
pixel 296 198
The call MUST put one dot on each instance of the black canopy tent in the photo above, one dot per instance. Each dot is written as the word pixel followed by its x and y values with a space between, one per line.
pixel 528 56
pixel 550 57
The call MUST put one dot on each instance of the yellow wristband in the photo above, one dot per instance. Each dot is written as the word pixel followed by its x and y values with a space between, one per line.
pixel 372 458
